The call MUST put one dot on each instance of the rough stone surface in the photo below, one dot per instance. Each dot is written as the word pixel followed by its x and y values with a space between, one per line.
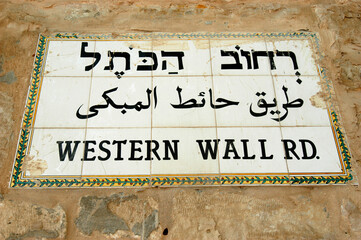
pixel 145 228
pixel 188 213
pixel 95 215
pixel 6 122
pixel 352 215
pixel 202 217
pixel 8 77
pixel 1 64
pixel 20 220
pixel 107 214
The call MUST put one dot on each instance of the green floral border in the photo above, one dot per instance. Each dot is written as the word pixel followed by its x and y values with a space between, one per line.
pixel 17 180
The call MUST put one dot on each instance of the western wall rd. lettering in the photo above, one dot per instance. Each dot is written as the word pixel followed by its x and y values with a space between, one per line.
pixel 138 150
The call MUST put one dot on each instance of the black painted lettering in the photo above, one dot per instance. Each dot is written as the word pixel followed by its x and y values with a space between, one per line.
pixel 230 148
pixel 263 149
pixel 119 149
pixel 209 149
pixel 104 149
pixel 169 149
pixel 245 150
pixel 151 149
pixel 68 151
pixel 304 149
pixel 134 149
pixel 87 149
pixel 290 149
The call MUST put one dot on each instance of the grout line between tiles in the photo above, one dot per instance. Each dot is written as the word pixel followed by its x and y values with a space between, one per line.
pixel 86 122
pixel 279 123
pixel 214 110
pixel 151 122
pixel 160 127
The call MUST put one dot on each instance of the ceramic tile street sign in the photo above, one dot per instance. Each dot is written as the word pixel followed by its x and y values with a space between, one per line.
pixel 166 109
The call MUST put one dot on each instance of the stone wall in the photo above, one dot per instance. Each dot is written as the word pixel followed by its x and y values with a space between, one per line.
pixel 331 212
